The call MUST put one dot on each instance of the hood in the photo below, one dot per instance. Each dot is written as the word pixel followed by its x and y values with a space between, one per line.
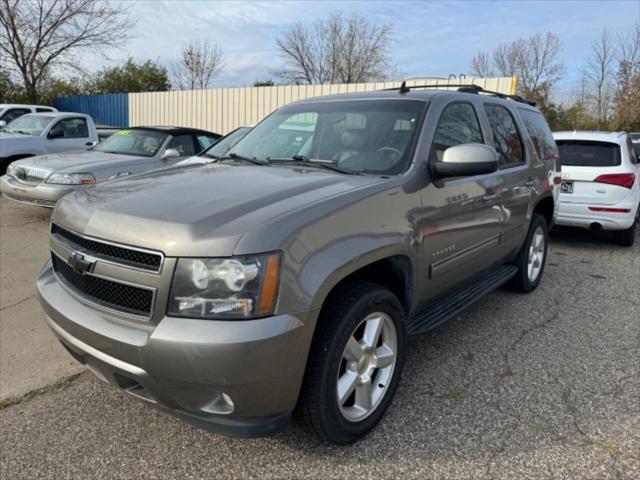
pixel 197 210
pixel 77 161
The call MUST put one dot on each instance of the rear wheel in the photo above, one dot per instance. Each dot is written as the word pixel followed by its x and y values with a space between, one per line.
pixel 532 257
pixel 626 238
pixel 355 363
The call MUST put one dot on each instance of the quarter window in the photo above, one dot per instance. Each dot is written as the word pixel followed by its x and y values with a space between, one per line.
pixel 540 134
pixel 505 135
pixel 458 124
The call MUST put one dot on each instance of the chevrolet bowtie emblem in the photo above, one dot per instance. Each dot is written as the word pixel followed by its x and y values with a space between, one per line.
pixel 79 264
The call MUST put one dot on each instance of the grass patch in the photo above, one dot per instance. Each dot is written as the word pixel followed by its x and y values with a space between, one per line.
pixel 54 387
pixel 604 444
pixel 455 394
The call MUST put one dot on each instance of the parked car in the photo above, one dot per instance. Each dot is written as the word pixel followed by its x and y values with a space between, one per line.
pixel 39 133
pixel 288 274
pixel 11 111
pixel 218 149
pixel 44 179
pixel 600 186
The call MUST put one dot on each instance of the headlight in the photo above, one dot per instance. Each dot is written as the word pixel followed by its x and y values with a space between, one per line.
pixel 225 288
pixel 71 179
pixel 11 170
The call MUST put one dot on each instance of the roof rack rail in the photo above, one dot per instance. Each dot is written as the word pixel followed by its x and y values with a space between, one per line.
pixel 464 88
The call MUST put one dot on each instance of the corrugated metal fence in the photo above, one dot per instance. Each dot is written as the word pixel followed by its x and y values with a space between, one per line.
pixel 105 109
pixel 223 109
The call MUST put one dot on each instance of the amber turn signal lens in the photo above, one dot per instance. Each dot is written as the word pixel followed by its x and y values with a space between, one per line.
pixel 269 289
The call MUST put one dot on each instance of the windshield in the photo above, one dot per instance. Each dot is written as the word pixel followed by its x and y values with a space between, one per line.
pixel 29 124
pixel 143 143
pixel 223 145
pixel 583 153
pixel 365 136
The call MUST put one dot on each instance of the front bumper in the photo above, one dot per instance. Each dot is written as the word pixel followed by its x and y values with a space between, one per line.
pixel 185 366
pixel 42 194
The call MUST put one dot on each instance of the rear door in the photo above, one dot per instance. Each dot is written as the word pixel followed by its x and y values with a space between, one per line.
pixel 583 162
pixel 514 173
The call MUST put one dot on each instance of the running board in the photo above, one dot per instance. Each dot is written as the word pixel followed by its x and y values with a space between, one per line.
pixel 444 310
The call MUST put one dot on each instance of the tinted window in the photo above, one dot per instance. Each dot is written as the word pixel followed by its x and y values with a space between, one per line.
pixel 369 136
pixel 227 142
pixel 183 144
pixel 144 143
pixel 582 153
pixel 458 124
pixel 205 141
pixel 41 109
pixel 633 151
pixel 505 135
pixel 540 134
pixel 14 113
pixel 73 127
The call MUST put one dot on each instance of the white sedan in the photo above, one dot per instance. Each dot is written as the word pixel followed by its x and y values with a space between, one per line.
pixel 600 187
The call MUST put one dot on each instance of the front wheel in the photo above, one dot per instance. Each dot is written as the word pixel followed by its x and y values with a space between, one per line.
pixel 355 363
pixel 532 257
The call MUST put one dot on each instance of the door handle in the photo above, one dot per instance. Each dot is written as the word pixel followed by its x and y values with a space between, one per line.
pixel 490 196
pixel 89 144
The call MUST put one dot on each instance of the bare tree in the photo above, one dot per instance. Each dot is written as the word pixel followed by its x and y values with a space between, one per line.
pixel 481 65
pixel 37 36
pixel 534 60
pixel 198 65
pixel 599 73
pixel 626 99
pixel 337 49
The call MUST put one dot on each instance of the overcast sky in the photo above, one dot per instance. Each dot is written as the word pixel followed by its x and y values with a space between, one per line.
pixel 433 38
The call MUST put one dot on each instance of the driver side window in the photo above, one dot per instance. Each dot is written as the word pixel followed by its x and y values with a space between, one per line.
pixel 458 124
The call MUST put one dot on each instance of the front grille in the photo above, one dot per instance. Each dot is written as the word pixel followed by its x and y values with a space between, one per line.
pixel 32 201
pixel 127 256
pixel 125 298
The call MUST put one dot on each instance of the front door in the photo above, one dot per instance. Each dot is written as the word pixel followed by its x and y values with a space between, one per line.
pixel 75 136
pixel 460 221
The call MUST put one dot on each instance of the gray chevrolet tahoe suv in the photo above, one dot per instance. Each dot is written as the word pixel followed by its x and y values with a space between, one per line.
pixel 284 278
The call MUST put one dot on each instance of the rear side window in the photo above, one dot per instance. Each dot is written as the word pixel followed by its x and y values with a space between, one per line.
pixel 584 153
pixel 634 151
pixel 540 134
pixel 40 109
pixel 505 135
pixel 458 124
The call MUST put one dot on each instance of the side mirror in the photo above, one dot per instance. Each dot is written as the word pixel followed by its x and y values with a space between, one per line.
pixel 55 132
pixel 170 153
pixel 2 124
pixel 466 160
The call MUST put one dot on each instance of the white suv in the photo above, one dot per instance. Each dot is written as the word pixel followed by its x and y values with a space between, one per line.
pixel 600 183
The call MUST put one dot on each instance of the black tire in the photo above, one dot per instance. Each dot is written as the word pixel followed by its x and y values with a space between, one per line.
pixel 626 238
pixel 521 281
pixel 318 408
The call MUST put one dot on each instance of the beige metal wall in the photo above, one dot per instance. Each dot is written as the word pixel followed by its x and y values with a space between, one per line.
pixel 223 109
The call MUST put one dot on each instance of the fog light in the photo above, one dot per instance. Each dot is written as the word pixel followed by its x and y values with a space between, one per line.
pixel 220 405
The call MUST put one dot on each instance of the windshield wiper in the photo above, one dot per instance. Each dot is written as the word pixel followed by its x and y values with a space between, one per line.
pixel 235 156
pixel 316 162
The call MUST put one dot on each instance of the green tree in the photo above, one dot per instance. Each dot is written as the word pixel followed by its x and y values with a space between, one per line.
pixel 10 92
pixel 145 76
pixel 263 83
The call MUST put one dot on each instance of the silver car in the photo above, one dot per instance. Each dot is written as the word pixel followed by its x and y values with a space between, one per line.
pixel 44 179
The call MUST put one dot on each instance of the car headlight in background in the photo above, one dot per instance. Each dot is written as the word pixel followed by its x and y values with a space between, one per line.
pixel 11 170
pixel 71 179
pixel 225 288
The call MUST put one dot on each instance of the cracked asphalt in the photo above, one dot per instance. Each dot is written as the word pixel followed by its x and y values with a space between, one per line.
pixel 545 385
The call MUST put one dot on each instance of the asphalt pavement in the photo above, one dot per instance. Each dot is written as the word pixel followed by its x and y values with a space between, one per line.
pixel 545 385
